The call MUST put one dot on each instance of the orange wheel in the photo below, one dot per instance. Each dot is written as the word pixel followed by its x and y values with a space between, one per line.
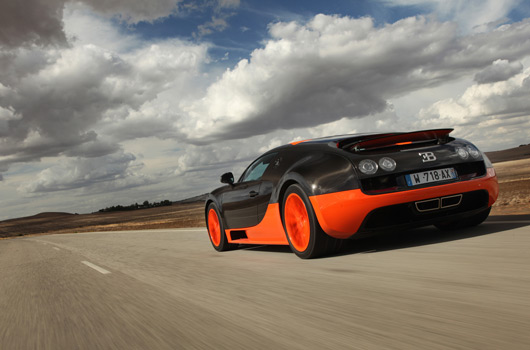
pixel 305 236
pixel 216 231
pixel 297 222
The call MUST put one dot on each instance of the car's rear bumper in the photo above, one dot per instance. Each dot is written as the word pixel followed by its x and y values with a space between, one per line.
pixel 342 214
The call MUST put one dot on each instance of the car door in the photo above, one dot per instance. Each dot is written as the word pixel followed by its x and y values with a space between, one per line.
pixel 240 204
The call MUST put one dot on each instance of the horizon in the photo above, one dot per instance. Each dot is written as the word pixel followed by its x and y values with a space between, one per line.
pixel 176 201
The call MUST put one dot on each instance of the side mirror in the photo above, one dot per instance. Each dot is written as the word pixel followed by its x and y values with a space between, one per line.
pixel 227 178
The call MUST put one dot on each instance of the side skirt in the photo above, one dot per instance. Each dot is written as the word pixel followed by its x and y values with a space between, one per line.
pixel 268 231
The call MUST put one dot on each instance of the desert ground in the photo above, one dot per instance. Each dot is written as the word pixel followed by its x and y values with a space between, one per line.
pixel 175 216
pixel 512 167
pixel 514 188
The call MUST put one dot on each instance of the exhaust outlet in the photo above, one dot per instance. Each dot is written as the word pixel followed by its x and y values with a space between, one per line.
pixel 438 203
pixel 428 205
pixel 451 201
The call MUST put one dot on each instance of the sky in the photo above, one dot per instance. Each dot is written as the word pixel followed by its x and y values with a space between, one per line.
pixel 117 102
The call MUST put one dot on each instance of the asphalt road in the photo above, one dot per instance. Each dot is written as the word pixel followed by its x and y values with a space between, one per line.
pixel 168 289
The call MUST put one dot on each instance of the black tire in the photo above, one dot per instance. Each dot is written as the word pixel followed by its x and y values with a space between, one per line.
pixel 304 234
pixel 216 232
pixel 471 221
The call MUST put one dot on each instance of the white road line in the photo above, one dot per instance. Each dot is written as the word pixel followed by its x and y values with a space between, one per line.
pixel 95 267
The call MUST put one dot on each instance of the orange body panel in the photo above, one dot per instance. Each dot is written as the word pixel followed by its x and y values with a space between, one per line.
pixel 268 231
pixel 341 214
pixel 294 143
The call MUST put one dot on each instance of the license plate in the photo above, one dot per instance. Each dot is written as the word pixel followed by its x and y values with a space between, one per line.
pixel 426 177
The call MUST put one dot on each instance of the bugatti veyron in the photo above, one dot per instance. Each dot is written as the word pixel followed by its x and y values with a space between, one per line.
pixel 313 194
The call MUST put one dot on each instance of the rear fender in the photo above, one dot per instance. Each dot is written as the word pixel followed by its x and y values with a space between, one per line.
pixel 213 199
pixel 319 173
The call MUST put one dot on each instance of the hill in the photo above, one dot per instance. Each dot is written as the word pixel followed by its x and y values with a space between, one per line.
pixel 521 152
pixel 189 214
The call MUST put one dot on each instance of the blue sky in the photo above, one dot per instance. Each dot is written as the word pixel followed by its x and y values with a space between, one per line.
pixel 105 103
pixel 247 25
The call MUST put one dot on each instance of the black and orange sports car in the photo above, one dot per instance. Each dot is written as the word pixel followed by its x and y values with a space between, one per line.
pixel 313 194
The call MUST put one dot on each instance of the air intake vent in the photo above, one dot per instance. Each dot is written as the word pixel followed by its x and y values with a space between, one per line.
pixel 238 234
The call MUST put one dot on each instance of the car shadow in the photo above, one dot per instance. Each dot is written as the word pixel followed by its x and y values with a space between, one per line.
pixel 411 238
pixel 430 235
pixel 266 248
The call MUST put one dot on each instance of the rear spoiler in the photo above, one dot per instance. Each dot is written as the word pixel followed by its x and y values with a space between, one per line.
pixel 396 139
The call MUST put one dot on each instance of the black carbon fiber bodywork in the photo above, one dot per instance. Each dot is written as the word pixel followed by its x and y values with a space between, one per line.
pixel 331 165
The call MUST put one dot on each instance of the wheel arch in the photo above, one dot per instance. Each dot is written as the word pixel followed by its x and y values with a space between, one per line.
pixel 288 180
pixel 209 200
pixel 282 191
pixel 319 173
pixel 206 205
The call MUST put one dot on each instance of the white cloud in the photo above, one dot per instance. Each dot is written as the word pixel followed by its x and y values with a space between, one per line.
pixel 223 10
pixel 134 11
pixel 168 60
pixel 40 21
pixel 6 115
pixel 73 105
pixel 472 15
pixel 500 70
pixel 84 27
pixel 217 24
pixel 59 108
pixel 337 67
pixel 31 22
pixel 496 115
pixel 229 3
pixel 61 102
pixel 110 173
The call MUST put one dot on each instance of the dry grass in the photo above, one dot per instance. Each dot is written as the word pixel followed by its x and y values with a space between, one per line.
pixel 514 188
pixel 175 216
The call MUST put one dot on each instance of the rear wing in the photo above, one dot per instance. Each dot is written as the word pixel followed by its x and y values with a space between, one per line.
pixel 373 142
